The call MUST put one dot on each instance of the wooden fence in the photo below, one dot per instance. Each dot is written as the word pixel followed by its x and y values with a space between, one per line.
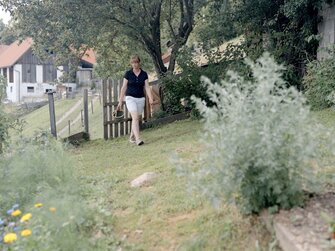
pixel 113 127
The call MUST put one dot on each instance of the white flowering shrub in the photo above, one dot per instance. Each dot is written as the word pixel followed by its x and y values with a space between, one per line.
pixel 260 141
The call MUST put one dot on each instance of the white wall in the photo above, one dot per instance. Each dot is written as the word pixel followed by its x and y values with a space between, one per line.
pixel 39 73
pixel 37 91
pixel 59 72
pixel 11 88
pixel 84 76
pixel 18 91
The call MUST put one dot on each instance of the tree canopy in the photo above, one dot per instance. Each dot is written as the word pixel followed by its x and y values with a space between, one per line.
pixel 108 26
pixel 7 35
pixel 288 29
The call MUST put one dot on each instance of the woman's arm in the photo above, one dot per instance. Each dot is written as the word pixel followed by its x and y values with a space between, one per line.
pixel 122 93
pixel 148 92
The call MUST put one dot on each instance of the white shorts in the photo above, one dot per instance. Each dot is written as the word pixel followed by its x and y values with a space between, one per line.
pixel 135 104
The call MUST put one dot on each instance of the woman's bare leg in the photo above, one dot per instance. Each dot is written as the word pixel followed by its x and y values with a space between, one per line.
pixel 135 128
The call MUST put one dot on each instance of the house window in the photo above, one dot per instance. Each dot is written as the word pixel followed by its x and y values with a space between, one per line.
pixel 11 75
pixel 11 89
pixel 69 89
pixel 30 89
pixel 48 90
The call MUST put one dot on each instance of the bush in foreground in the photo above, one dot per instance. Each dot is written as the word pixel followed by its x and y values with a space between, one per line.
pixel 260 143
pixel 49 212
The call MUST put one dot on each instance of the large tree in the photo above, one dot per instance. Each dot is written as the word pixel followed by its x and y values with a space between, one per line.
pixel 288 29
pixel 7 35
pixel 63 24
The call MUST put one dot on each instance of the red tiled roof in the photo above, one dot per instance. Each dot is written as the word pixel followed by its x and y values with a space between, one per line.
pixel 9 55
pixel 3 47
pixel 13 52
pixel 89 56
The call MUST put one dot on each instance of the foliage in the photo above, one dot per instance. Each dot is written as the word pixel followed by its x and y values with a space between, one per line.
pixel 287 29
pixel 36 171
pixel 319 82
pixel 114 55
pixel 259 139
pixel 186 84
pixel 7 34
pixel 214 24
pixel 6 121
pixel 66 26
pixel 159 114
pixel 183 86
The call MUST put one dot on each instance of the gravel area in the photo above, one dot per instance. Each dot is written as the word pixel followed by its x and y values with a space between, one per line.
pixel 306 225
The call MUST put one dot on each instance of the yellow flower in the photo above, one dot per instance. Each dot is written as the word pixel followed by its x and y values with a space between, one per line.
pixel 26 217
pixel 17 212
pixel 37 205
pixel 52 209
pixel 26 232
pixel 10 237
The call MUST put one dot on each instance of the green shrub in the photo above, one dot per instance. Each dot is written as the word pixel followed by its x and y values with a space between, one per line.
pixel 186 84
pixel 7 121
pixel 159 114
pixel 319 83
pixel 259 141
pixel 40 171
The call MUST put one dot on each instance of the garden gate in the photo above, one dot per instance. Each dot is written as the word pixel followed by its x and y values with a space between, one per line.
pixel 114 127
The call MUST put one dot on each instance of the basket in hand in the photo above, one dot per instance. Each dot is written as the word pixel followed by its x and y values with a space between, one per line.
pixel 118 114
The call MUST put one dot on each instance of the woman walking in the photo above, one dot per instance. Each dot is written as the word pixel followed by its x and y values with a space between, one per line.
pixel 134 82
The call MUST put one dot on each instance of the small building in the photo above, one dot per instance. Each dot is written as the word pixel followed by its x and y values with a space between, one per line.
pixel 29 78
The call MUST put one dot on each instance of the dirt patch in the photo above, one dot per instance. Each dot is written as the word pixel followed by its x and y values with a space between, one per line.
pixel 310 231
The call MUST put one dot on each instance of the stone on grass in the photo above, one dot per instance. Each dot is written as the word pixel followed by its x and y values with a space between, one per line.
pixel 145 177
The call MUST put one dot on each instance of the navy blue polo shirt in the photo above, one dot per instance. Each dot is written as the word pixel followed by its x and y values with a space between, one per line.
pixel 135 83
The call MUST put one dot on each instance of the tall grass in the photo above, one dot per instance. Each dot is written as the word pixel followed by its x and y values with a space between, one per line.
pixel 40 171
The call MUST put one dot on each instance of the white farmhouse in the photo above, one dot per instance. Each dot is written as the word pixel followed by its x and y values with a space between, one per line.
pixel 29 78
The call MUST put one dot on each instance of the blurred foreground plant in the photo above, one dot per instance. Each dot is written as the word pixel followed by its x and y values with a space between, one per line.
pixel 261 147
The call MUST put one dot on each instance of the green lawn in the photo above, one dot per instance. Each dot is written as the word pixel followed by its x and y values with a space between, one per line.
pixel 162 215
pixel 95 120
pixel 40 118
pixel 326 117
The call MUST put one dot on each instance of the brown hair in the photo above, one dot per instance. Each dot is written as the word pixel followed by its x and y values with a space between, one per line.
pixel 135 58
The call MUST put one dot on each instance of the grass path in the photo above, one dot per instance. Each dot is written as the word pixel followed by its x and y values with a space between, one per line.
pixel 76 124
pixel 75 107
pixel 161 215
pixel 40 119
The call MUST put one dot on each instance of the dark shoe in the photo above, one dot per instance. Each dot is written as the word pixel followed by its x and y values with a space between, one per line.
pixel 139 142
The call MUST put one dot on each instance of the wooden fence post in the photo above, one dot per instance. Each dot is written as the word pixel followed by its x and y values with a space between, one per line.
pixel 86 111
pixel 52 114
pixel 81 118
pixel 92 105
pixel 104 103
